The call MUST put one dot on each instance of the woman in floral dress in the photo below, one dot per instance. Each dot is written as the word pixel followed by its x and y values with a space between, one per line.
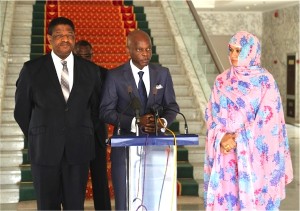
pixel 247 157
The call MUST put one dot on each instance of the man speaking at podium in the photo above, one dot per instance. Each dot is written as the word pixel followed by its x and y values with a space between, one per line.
pixel 132 94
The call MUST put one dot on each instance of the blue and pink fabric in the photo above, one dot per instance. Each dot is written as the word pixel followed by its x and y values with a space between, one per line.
pixel 245 100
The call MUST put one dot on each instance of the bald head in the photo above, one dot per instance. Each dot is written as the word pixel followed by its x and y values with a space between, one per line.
pixel 139 47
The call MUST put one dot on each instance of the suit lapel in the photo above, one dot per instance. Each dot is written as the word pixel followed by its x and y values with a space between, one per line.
pixel 53 76
pixel 129 77
pixel 153 80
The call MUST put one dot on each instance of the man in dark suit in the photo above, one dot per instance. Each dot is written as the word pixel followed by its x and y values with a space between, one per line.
pixel 122 87
pixel 98 166
pixel 57 108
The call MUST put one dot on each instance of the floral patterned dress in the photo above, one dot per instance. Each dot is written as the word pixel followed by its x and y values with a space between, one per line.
pixel 245 100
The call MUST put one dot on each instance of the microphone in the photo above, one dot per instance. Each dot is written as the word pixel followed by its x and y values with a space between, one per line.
pixel 136 105
pixel 129 90
pixel 159 108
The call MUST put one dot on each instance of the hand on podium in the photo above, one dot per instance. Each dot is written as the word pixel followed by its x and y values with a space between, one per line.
pixel 147 123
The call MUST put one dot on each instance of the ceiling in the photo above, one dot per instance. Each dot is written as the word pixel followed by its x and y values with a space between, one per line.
pixel 243 5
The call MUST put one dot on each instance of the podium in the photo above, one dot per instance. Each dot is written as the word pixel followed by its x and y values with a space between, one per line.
pixel 152 170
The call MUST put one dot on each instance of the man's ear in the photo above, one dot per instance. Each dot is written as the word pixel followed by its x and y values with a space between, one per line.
pixel 49 38
pixel 127 51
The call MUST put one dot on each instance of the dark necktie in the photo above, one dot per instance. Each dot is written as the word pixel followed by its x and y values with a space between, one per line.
pixel 65 81
pixel 142 90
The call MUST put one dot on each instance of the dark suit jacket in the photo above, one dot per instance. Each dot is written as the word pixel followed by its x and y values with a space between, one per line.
pixel 52 126
pixel 120 87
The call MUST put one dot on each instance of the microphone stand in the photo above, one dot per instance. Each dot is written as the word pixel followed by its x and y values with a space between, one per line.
pixel 137 122
pixel 155 120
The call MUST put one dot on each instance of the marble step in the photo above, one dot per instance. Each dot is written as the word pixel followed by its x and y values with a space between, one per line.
pixel 160 32
pixel 22 23
pixel 14 68
pixel 191 113
pixel 210 68
pixel 175 68
pixel 163 41
pixel 182 90
pixel 8 103
pixel 168 59
pixel 202 50
pixel 23 49
pixel 180 80
pixel 20 40
pixel 158 25
pixel 165 50
pixel 8 143
pixel 18 58
pixel 10 175
pixel 10 91
pixel 185 102
pixel 9 194
pixel 11 79
pixel 10 129
pixel 194 127
pixel 7 116
pixel 25 31
pixel 11 158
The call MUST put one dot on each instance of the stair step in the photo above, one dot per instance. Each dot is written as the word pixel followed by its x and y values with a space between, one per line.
pixel 194 127
pixel 21 40
pixel 26 175
pixel 7 116
pixel 9 193
pixel 27 191
pixel 188 187
pixel 179 79
pixel 11 79
pixel 163 41
pixel 10 129
pixel 175 69
pixel 186 102
pixel 182 90
pixel 10 91
pixel 14 68
pixel 168 59
pixel 11 158
pixel 182 153
pixel 184 170
pixel 18 58
pixel 165 50
pixel 23 49
pixel 10 175
pixel 25 31
pixel 8 103
pixel 15 143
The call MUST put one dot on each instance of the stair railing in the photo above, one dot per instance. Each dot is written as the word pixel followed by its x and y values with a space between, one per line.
pixel 210 47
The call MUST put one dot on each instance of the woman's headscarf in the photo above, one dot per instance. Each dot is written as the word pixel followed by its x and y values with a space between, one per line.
pixel 245 100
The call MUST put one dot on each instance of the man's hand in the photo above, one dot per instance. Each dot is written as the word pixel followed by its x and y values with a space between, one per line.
pixel 147 123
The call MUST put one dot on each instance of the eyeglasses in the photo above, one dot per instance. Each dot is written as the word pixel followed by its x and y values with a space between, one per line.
pixel 236 50
pixel 61 36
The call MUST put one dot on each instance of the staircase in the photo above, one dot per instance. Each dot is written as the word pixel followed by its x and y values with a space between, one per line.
pixel 190 166
pixel 12 141
pixel 11 137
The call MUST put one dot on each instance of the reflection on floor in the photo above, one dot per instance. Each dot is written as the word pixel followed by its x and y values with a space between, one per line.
pixel 196 203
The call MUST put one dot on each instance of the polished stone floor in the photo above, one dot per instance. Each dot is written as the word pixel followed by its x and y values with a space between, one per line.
pixel 195 203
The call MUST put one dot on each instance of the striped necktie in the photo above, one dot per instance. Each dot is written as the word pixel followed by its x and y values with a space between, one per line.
pixel 65 80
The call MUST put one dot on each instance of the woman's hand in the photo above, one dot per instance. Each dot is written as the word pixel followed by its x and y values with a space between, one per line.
pixel 228 142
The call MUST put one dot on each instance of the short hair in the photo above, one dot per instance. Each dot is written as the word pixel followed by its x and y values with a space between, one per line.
pixel 60 20
pixel 83 43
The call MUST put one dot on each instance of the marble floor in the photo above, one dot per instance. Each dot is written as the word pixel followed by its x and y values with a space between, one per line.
pixel 196 203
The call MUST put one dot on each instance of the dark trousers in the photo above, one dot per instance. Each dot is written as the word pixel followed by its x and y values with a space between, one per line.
pixel 98 168
pixel 62 185
pixel 118 168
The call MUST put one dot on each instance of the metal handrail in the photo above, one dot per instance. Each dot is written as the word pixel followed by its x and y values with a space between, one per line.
pixel 212 52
